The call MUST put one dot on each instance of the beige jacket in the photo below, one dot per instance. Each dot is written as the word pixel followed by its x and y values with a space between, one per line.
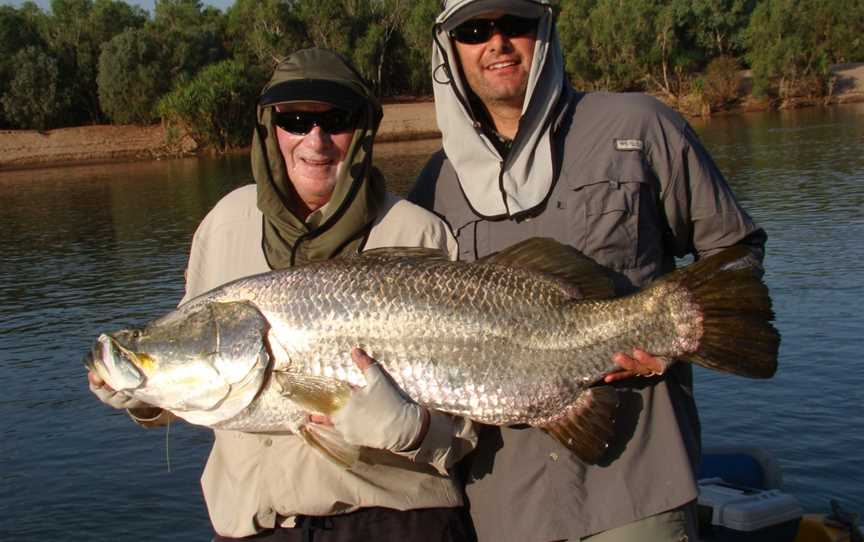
pixel 254 481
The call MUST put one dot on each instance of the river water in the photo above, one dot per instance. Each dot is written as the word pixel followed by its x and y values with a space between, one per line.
pixel 91 248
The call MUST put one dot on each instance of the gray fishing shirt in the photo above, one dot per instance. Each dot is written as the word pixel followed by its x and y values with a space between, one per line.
pixel 634 190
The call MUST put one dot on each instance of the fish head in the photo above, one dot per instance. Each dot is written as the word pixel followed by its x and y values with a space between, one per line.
pixel 205 363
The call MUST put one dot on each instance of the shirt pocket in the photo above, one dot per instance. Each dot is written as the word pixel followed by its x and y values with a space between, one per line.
pixel 619 217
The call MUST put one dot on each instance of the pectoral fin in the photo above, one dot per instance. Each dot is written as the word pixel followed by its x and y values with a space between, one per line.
pixel 587 426
pixel 321 396
pixel 314 393
pixel 330 444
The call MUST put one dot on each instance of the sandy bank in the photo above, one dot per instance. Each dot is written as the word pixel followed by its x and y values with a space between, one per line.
pixel 402 122
pixel 31 148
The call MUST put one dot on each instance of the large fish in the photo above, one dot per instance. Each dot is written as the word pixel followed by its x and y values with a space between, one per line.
pixel 521 337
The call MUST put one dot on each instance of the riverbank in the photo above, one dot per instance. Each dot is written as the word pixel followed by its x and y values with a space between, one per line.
pixel 403 121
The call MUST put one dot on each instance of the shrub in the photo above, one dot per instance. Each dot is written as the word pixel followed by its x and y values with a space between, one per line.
pixel 216 108
pixel 722 81
pixel 33 98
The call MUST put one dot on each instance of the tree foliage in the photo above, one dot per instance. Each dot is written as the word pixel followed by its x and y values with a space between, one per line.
pixel 192 36
pixel 75 32
pixel 34 98
pixel 261 32
pixel 17 31
pixel 792 44
pixel 114 60
pixel 131 69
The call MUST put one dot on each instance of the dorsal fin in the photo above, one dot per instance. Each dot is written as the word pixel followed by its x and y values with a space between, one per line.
pixel 561 261
pixel 389 253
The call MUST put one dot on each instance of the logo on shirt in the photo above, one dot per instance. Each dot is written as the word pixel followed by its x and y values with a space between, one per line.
pixel 629 144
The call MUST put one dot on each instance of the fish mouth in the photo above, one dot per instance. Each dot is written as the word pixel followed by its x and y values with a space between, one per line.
pixel 116 365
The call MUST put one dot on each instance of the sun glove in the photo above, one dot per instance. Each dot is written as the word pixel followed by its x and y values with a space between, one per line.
pixel 378 415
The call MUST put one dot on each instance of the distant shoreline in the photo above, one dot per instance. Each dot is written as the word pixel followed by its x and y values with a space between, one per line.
pixel 403 121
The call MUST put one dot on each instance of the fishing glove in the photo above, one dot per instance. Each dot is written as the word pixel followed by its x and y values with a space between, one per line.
pixel 378 415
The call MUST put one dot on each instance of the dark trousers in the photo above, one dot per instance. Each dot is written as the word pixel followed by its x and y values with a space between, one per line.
pixel 374 524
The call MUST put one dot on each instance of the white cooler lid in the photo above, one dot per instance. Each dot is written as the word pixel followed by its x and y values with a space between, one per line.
pixel 744 509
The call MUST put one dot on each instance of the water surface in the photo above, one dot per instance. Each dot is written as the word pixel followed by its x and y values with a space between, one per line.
pixel 92 248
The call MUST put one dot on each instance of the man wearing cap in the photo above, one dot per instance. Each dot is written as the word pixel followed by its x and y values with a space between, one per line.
pixel 317 196
pixel 623 179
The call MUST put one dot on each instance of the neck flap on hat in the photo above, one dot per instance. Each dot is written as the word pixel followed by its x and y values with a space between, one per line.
pixel 341 226
pixel 496 186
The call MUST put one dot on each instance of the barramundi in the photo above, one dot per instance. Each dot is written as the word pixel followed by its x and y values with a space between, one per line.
pixel 524 336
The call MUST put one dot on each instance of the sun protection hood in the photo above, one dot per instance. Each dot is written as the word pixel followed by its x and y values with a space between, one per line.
pixel 496 186
pixel 322 76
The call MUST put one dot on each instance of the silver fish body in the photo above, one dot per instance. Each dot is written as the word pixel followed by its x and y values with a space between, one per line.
pixel 496 341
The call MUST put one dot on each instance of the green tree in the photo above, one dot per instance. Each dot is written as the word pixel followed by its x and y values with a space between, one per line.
pixel 718 26
pixel 192 36
pixel 333 24
pixel 215 108
pixel 75 32
pixel 34 99
pixel 608 44
pixel 17 31
pixel 375 50
pixel 131 77
pixel 417 33
pixel 792 44
pixel 263 32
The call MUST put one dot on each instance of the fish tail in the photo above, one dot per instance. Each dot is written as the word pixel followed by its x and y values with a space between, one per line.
pixel 737 334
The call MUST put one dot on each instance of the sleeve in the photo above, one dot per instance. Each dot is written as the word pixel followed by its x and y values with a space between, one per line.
pixel 701 210
pixel 448 440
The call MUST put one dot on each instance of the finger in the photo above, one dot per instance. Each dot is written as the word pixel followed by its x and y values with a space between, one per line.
pixel 94 379
pixel 361 359
pixel 648 363
pixel 321 419
pixel 620 374
pixel 625 362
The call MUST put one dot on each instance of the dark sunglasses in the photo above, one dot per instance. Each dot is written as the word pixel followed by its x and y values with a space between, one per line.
pixel 332 121
pixel 474 31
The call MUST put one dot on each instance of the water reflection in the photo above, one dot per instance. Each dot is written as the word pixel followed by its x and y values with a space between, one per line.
pixel 90 248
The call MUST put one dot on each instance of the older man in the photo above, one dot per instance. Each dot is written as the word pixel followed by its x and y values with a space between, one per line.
pixel 624 180
pixel 317 196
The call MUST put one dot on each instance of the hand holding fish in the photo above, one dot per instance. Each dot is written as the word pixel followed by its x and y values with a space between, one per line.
pixel 110 397
pixel 143 413
pixel 640 364
pixel 379 415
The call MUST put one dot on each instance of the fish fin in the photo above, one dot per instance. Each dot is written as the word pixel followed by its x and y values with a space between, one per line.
pixel 738 336
pixel 391 253
pixel 330 444
pixel 324 396
pixel 572 268
pixel 587 426
pixel 314 393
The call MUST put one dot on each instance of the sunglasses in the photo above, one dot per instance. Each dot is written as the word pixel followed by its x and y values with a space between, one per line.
pixel 474 31
pixel 332 121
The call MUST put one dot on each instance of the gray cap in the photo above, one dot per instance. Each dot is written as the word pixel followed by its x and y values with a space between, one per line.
pixel 462 10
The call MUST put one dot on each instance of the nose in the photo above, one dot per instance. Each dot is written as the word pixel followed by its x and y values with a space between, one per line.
pixel 317 138
pixel 499 42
